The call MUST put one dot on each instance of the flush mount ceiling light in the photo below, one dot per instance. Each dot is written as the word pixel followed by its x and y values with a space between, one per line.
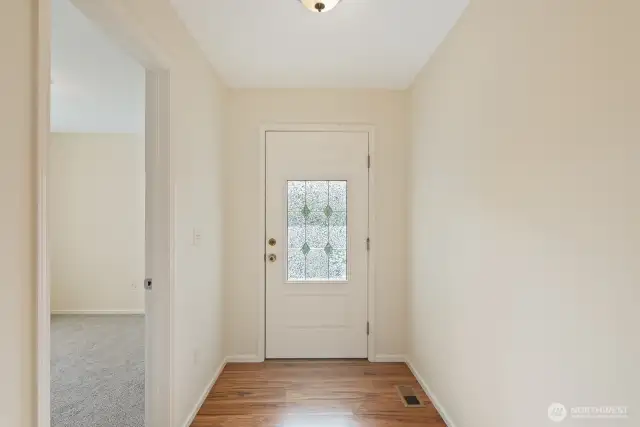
pixel 320 5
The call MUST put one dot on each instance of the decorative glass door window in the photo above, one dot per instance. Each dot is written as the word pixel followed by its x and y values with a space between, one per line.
pixel 317 230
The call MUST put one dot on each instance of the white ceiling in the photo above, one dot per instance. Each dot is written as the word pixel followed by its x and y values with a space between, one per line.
pixel 359 44
pixel 96 86
pixel 251 43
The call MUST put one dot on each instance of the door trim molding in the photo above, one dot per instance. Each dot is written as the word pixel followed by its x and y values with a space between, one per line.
pixel 43 285
pixel 316 127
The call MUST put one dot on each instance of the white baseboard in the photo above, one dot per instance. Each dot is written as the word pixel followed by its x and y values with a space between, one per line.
pixel 432 397
pixel 97 312
pixel 388 358
pixel 245 358
pixel 205 393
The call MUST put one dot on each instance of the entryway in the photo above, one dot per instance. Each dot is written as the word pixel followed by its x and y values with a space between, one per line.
pixel 317 225
pixel 354 393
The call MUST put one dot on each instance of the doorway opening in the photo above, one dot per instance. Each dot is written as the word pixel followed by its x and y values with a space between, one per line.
pixel 96 219
pixel 104 214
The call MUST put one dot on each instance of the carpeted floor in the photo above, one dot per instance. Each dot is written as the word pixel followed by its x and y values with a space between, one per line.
pixel 97 371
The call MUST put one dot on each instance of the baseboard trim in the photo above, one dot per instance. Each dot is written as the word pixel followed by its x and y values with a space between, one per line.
pixel 389 358
pixel 245 358
pixel 253 358
pixel 96 312
pixel 205 393
pixel 429 392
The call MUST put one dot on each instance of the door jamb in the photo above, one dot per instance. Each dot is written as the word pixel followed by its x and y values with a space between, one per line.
pixel 125 30
pixel 320 127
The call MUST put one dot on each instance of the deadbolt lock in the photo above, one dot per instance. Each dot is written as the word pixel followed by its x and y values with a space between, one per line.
pixel 272 242
pixel 272 257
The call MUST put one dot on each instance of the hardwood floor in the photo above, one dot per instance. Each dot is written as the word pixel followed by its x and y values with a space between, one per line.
pixel 314 394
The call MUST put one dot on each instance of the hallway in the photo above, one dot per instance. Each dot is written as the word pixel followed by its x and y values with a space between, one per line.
pixel 314 393
pixel 341 198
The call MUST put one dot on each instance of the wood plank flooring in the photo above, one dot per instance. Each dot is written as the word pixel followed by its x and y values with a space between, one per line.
pixel 314 394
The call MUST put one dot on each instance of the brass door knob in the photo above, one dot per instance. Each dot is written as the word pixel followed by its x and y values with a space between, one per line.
pixel 272 242
pixel 271 257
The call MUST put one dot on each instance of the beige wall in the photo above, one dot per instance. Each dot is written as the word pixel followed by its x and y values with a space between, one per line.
pixel 525 214
pixel 197 97
pixel 96 222
pixel 248 110
pixel 17 214
pixel 196 105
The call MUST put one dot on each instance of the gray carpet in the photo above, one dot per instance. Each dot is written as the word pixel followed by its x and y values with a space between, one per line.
pixel 97 371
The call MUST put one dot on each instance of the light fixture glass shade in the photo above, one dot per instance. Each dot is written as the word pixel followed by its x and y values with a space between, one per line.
pixel 320 5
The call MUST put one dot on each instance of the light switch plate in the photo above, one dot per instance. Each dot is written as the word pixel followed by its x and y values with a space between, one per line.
pixel 197 237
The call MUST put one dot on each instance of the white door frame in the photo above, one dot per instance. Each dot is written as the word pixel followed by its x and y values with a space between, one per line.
pixel 321 127
pixel 125 30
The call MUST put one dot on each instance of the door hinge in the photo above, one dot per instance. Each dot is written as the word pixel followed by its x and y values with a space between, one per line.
pixel 367 328
pixel 265 257
pixel 369 161
pixel 368 243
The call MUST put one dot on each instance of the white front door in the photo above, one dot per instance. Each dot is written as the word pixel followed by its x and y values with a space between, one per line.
pixel 317 197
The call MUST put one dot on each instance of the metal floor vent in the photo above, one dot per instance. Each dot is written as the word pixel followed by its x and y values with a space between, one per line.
pixel 409 396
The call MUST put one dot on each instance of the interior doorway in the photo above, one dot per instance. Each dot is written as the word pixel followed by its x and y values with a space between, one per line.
pixel 114 368
pixel 96 219
pixel 317 231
